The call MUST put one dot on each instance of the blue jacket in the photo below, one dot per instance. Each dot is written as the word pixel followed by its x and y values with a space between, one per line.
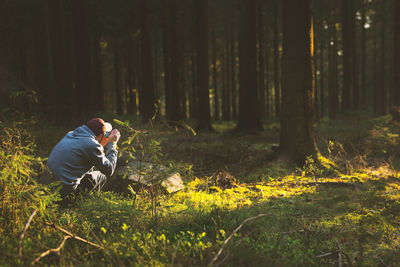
pixel 77 153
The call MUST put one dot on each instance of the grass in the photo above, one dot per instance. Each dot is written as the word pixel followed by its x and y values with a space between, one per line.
pixel 311 219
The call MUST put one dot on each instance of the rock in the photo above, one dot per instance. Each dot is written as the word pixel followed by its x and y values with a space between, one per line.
pixel 148 173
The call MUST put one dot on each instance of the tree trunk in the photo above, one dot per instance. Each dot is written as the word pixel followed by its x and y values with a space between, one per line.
pixel 167 66
pixel 176 95
pixel 364 56
pixel 297 139
pixel 249 117
pixel 233 69
pixel 354 58
pixel 396 91
pixel 83 67
pixel 215 79
pixel 382 82
pixel 276 61
pixel 147 108
pixel 43 72
pixel 203 114
pixel 333 84
pixel 346 39
pixel 61 94
pixel 117 77
pixel 98 75
pixel 261 70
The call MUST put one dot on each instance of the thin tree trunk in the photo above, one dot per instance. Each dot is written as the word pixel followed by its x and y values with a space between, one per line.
pixel 117 77
pixel 276 60
pixel 363 56
pixel 346 39
pixel 354 58
pixel 215 79
pixel 396 53
pixel 382 84
pixel 333 85
pixel 147 108
pixel 261 71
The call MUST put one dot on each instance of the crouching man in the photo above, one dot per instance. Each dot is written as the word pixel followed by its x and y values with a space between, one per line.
pixel 73 159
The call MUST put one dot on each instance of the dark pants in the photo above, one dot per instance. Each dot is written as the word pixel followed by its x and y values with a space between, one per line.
pixel 90 181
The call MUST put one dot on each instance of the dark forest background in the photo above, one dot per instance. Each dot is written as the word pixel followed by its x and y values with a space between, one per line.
pixel 182 58
pixel 226 95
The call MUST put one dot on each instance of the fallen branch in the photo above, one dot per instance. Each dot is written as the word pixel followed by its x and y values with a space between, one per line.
pixel 326 254
pixel 74 236
pixel 24 231
pixel 44 254
pixel 232 234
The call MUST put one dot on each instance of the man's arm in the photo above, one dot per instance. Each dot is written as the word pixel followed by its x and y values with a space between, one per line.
pixel 105 164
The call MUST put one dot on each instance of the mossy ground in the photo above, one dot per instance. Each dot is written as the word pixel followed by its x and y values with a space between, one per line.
pixel 312 218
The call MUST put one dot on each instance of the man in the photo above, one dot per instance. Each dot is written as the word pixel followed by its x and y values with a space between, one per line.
pixel 72 160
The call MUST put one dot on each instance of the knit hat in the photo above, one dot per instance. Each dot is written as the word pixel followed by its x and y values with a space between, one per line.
pixel 98 126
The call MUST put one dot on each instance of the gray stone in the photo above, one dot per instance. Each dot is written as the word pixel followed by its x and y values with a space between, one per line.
pixel 148 173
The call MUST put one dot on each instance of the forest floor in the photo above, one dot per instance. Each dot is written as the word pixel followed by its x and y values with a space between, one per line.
pixel 240 206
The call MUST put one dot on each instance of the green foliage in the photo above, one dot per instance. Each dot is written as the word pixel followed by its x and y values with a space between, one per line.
pixel 312 215
pixel 19 188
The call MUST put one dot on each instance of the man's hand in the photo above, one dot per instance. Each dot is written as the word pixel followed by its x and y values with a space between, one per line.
pixel 114 136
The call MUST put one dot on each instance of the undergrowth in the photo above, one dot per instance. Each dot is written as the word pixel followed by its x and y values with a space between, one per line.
pixel 310 217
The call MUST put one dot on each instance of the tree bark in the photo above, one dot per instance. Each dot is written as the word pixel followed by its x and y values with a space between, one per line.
pixel 354 58
pixel 83 67
pixel 117 77
pixel 203 115
pixel 176 95
pixel 276 61
pixel 396 91
pixel 333 84
pixel 249 117
pixel 261 69
pixel 347 69
pixel 364 56
pixel 215 79
pixel 147 108
pixel 297 138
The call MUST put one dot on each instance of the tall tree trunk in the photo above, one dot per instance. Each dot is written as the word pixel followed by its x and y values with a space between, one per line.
pixel 226 103
pixel 203 114
pixel 276 61
pixel 364 55
pixel 228 66
pixel 297 139
pixel 61 94
pixel 382 81
pixel 167 66
pixel 261 70
pixel 117 77
pixel 84 67
pixel 147 108
pixel 215 79
pixel 98 75
pixel 232 63
pixel 333 84
pixel 377 94
pixel 176 95
pixel 320 106
pixel 347 69
pixel 249 117
pixel 43 72
pixel 396 45
pixel 354 58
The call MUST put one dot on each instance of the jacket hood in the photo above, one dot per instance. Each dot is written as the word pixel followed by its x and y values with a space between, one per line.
pixel 81 131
